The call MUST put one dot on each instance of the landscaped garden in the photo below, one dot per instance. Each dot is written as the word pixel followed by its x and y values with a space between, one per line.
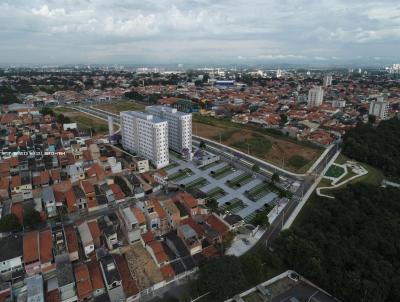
pixel 181 174
pixel 233 206
pixel 197 183
pixel 215 193
pixel 258 192
pixel 222 172
pixel 335 171
pixel 239 181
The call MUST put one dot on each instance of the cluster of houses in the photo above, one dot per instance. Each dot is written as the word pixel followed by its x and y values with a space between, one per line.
pixel 106 231
pixel 106 258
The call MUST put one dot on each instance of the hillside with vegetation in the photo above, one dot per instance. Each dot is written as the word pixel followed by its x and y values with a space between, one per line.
pixel 349 246
pixel 378 146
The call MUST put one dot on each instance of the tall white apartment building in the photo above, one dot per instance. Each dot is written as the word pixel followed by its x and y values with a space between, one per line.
pixel 379 108
pixel 327 80
pixel 145 135
pixel 315 96
pixel 179 127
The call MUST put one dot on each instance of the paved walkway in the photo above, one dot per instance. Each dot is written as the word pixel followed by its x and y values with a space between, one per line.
pixel 358 169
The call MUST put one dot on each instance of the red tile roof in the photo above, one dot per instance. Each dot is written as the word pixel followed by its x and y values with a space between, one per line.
pixel 158 250
pixel 45 245
pixel 139 215
pixel 72 238
pixel 70 199
pixel 128 283
pixel 95 274
pixel 167 272
pixel 31 246
pixel 87 187
pixel 15 181
pixel 17 210
pixel 94 229
pixel 217 224
pixel 148 237
pixel 83 281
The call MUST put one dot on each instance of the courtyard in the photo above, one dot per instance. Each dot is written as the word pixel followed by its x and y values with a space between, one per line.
pixel 236 191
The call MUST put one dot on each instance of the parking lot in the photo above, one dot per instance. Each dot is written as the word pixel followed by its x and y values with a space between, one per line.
pixel 231 187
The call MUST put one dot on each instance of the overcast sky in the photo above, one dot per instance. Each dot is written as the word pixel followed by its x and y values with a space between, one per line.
pixel 198 31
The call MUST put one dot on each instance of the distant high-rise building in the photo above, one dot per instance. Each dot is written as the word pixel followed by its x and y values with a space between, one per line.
pixel 145 135
pixel 315 96
pixel 110 126
pixel 327 80
pixel 179 127
pixel 379 108
pixel 279 73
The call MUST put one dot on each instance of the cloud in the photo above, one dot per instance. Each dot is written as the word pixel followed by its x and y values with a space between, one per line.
pixel 197 30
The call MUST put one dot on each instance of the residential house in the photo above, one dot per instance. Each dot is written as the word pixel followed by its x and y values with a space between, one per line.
pixel 172 212
pixel 190 203
pixel 109 232
pixel 129 285
pixel 131 225
pixel 49 201
pixel 83 282
pixel 86 238
pixel 34 288
pixel 189 237
pixel 66 281
pixel 31 254
pixel 90 195
pixel 96 278
pixel 95 232
pixel 46 251
pixel 11 249
pixel 72 242
pixel 112 278
pixel 80 197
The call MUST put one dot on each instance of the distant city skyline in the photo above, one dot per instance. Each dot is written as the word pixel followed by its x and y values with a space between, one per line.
pixel 320 33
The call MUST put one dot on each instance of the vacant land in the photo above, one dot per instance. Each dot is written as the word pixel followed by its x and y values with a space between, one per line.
pixel 121 105
pixel 84 121
pixel 258 142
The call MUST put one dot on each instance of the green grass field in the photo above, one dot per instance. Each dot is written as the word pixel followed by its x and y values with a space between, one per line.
pixel 121 105
pixel 334 171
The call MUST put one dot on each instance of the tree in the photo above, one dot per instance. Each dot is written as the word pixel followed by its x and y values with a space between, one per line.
pixel 261 219
pixel 212 204
pixel 275 177
pixel 371 119
pixel 32 218
pixel 47 111
pixel 222 277
pixel 202 144
pixel 284 118
pixel 9 223
pixel 255 168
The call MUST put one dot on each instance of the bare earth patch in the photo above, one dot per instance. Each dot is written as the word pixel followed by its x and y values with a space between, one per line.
pixel 279 154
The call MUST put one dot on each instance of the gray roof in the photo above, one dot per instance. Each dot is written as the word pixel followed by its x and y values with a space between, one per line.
pixel 65 275
pixel 47 194
pixel 10 247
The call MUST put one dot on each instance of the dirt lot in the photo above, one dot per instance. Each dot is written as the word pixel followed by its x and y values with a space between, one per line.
pixel 142 266
pixel 277 151
pixel 122 105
